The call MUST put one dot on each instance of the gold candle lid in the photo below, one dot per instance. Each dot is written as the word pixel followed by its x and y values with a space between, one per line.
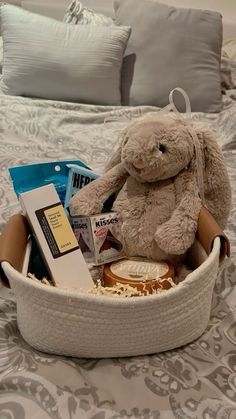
pixel 144 274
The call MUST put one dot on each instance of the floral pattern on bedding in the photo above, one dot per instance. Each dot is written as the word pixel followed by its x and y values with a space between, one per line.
pixel 195 381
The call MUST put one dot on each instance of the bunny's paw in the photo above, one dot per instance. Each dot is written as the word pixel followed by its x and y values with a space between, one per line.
pixel 172 240
pixel 82 206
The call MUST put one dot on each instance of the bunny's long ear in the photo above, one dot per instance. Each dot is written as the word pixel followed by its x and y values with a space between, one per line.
pixel 114 159
pixel 217 189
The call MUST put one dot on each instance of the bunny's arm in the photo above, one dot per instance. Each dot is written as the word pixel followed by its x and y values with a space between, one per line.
pixel 177 234
pixel 90 199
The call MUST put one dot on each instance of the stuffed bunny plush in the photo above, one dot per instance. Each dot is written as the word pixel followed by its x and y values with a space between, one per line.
pixel 154 173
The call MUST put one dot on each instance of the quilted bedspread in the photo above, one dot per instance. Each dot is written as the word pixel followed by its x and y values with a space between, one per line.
pixel 195 381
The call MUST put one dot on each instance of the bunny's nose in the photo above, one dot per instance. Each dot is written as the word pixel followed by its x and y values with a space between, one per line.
pixel 139 162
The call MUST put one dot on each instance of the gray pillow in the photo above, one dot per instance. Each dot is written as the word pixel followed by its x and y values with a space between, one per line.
pixel 171 47
pixel 50 59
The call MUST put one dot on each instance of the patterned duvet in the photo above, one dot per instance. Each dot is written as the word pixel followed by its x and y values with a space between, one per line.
pixel 196 381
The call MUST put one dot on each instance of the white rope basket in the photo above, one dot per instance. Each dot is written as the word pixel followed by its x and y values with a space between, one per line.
pixel 83 325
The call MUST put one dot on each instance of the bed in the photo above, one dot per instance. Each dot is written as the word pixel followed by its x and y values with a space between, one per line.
pixel 195 381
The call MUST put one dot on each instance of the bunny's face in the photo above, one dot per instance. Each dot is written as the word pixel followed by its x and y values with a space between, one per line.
pixel 156 150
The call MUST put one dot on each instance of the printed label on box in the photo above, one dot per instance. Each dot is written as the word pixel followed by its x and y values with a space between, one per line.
pixel 78 177
pixel 57 230
pixel 82 231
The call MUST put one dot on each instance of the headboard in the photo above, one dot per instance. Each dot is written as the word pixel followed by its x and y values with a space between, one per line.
pixel 15 2
pixel 56 8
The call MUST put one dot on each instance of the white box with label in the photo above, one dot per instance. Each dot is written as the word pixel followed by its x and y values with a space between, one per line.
pixel 55 238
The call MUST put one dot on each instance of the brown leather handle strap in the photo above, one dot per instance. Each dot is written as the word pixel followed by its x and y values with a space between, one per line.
pixel 208 230
pixel 13 241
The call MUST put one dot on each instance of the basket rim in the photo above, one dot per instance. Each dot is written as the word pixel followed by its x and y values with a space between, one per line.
pixel 10 271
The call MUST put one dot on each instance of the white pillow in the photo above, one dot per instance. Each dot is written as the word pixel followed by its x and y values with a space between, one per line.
pixel 49 59
pixel 229 48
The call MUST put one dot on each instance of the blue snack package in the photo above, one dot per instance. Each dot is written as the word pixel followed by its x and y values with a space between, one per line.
pixel 78 177
pixel 31 176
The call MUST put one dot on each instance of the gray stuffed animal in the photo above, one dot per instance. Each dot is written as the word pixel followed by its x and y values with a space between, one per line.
pixel 154 172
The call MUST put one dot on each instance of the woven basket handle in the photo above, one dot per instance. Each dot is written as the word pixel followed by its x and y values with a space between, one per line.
pixel 13 240
pixel 208 230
